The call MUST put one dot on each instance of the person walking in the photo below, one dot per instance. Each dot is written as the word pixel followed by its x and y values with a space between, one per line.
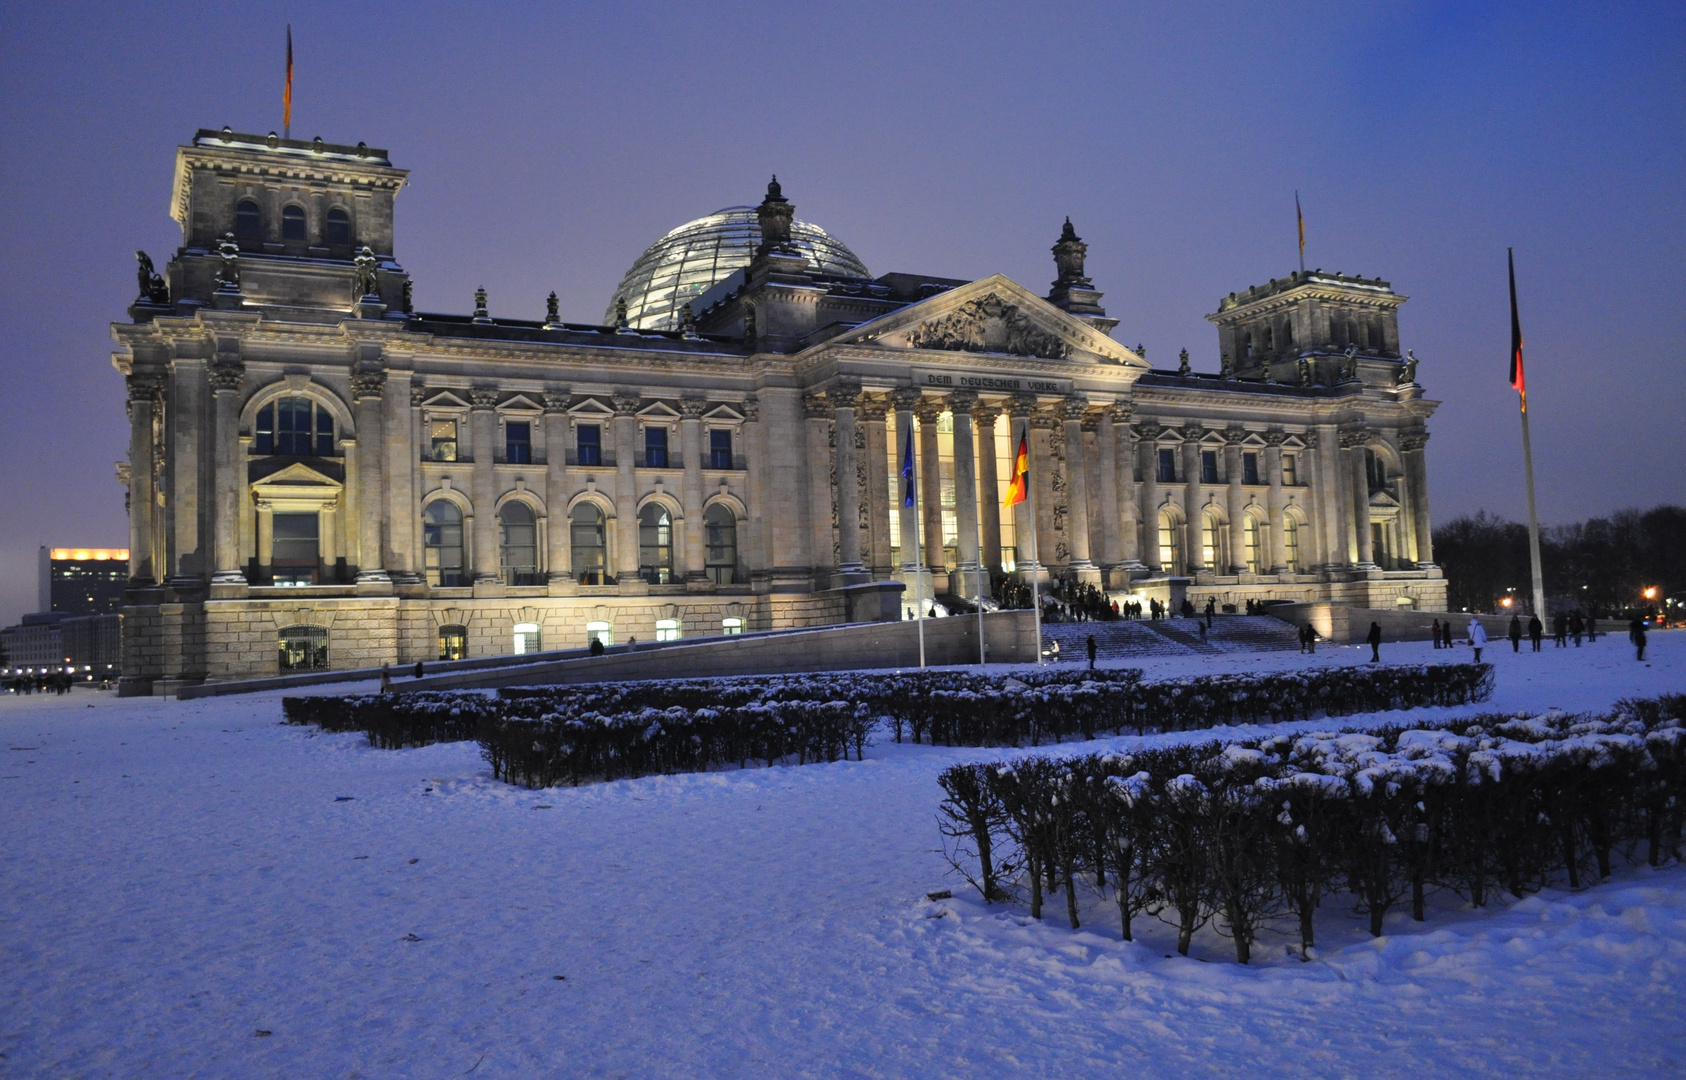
pixel 1536 631
pixel 1437 633
pixel 1092 651
pixel 1560 630
pixel 1477 637
pixel 1374 637
pixel 1591 629
pixel 1516 633
pixel 1211 609
pixel 1576 627
pixel 1636 634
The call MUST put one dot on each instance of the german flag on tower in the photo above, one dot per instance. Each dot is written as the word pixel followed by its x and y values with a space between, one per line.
pixel 1517 382
pixel 1020 488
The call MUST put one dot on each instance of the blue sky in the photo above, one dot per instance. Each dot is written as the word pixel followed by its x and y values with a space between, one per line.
pixel 550 144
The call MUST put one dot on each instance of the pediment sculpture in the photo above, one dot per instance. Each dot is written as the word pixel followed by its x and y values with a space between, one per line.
pixel 989 324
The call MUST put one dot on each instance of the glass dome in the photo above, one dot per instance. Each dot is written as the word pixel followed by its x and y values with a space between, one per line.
pixel 688 261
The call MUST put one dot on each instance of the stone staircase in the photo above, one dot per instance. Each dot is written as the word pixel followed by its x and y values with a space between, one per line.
pixel 1172 637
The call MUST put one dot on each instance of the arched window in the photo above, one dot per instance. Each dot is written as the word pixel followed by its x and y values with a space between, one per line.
pixel 248 221
pixel 303 648
pixel 528 638
pixel 1250 531
pixel 655 545
pixel 442 537
pixel 453 642
pixel 337 231
pixel 720 526
pixel 1170 545
pixel 1291 545
pixel 518 550
pixel 296 427
pixel 292 223
pixel 1211 542
pixel 586 539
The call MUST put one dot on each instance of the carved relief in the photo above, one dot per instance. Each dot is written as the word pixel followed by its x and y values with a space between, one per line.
pixel 988 324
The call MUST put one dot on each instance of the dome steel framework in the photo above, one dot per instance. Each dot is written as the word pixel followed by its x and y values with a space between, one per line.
pixel 691 259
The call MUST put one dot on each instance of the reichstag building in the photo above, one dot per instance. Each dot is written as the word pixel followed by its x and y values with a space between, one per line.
pixel 321 476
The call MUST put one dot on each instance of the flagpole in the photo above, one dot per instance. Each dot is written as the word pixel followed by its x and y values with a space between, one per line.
pixel 910 472
pixel 977 520
pixel 1036 556
pixel 1519 381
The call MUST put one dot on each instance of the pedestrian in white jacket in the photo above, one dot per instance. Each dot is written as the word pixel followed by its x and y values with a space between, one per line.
pixel 1477 638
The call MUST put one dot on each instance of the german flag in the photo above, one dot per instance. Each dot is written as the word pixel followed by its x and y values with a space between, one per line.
pixel 1020 488
pixel 287 94
pixel 1517 382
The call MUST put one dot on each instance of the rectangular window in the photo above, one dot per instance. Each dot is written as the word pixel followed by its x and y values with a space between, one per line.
pixel 442 440
pixel 266 430
pixel 518 443
pixel 589 444
pixel 294 554
pixel 1167 466
pixel 1208 466
pixel 1288 476
pixel 731 626
pixel 667 629
pixel 720 449
pixel 655 448
pixel 1249 468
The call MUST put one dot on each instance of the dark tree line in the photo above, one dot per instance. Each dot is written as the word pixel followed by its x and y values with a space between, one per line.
pixel 1600 566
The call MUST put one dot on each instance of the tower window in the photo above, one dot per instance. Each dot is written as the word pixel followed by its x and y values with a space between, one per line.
pixel 337 232
pixel 1288 334
pixel 1247 345
pixel 295 427
pixel 248 221
pixel 1269 340
pixel 292 223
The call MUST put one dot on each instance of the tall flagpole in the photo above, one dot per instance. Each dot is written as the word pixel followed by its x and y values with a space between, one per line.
pixel 1519 382
pixel 977 520
pixel 1036 555
pixel 910 500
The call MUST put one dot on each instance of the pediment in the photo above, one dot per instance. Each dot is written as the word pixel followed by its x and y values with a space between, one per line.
pixel 590 407
pixel 520 403
pixel 993 315
pixel 724 414
pixel 444 399
pixel 659 411
pixel 297 475
pixel 1382 500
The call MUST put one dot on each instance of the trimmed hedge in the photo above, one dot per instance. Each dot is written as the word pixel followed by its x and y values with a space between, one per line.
pixel 1245 831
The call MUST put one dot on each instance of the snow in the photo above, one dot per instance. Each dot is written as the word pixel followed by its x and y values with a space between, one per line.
pixel 179 877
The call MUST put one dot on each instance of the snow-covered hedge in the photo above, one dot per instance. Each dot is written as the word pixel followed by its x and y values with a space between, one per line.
pixel 1245 831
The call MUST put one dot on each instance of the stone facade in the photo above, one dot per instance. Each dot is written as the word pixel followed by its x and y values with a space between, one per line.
pixel 316 467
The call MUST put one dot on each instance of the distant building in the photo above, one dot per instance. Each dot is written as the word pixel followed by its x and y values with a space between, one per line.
pixel 83 581
pixel 322 477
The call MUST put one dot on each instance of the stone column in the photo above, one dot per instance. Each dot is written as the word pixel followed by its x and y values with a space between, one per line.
pixel 930 411
pixel 185 424
pixel 821 492
pixel 266 539
pixel 144 392
pixel 400 466
pixel 1072 411
pixel 1333 501
pixel 625 426
pixel 1019 411
pixel 483 566
pixel 1111 539
pixel 871 412
pixel 1236 500
pixel 327 534
pixel 758 556
pixel 366 387
pixel 1277 505
pixel 989 483
pixel 1193 541
pixel 1355 443
pixel 1043 423
pixel 690 443
pixel 418 483
pixel 1147 451
pixel 1124 483
pixel 559 567
pixel 843 397
pixel 225 388
pixel 961 403
pixel 1416 475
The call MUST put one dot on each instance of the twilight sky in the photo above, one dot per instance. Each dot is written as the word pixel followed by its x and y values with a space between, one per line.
pixel 551 144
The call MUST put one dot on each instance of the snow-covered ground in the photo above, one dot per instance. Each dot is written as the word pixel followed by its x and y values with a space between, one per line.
pixel 194 889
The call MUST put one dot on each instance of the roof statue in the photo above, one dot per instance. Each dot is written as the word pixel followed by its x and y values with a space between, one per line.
pixel 152 287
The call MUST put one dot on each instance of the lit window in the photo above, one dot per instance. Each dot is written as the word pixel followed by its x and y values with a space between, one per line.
pixel 1170 546
pixel 442 539
pixel 719 449
pixel 1291 545
pixel 303 648
pixel 720 528
pixel 442 440
pixel 589 444
pixel 1208 466
pixel 1288 464
pixel 453 643
pixel 1211 541
pixel 599 631
pixel 731 626
pixel 655 447
pixel 1249 468
pixel 292 223
pixel 518 443
pixel 655 545
pixel 337 232
pixel 667 629
pixel 1250 531
pixel 295 427
pixel 528 639
pixel 518 549
pixel 586 541
pixel 248 221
